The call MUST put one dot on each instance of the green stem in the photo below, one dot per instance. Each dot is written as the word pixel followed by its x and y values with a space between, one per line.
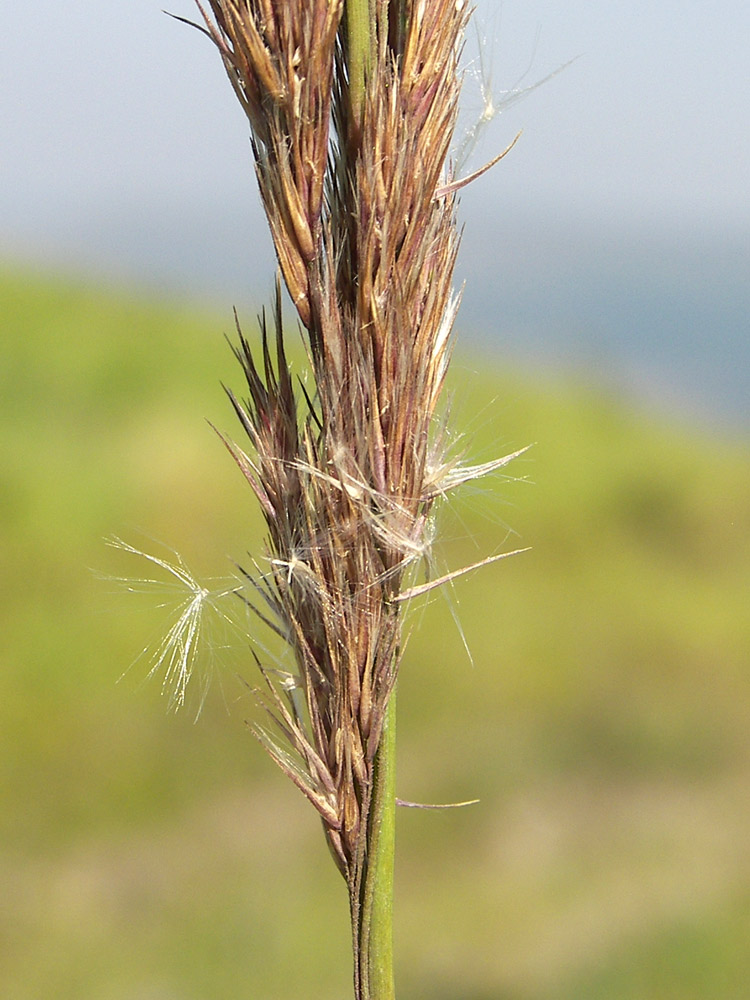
pixel 360 32
pixel 374 909
pixel 375 932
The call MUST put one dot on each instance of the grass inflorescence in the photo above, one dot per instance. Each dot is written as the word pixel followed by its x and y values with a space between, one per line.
pixel 352 108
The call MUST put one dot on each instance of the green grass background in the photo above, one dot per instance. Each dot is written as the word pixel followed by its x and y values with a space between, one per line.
pixel 603 719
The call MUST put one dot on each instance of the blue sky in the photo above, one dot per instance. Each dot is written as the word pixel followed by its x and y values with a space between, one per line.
pixel 123 152
pixel 104 105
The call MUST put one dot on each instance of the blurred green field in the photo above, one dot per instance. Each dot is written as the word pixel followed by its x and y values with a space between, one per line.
pixel 603 719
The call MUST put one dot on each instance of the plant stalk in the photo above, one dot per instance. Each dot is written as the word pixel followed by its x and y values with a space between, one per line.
pixel 360 31
pixel 373 912
pixel 374 973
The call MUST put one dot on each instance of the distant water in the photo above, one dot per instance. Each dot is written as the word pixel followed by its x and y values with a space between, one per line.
pixel 664 315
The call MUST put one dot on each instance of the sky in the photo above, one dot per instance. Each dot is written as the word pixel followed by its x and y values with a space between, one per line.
pixel 123 152
pixel 108 105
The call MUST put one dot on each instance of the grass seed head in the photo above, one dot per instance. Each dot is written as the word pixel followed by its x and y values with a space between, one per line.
pixel 351 152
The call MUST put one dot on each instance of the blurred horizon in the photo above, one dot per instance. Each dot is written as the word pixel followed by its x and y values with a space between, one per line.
pixel 602 718
pixel 661 318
